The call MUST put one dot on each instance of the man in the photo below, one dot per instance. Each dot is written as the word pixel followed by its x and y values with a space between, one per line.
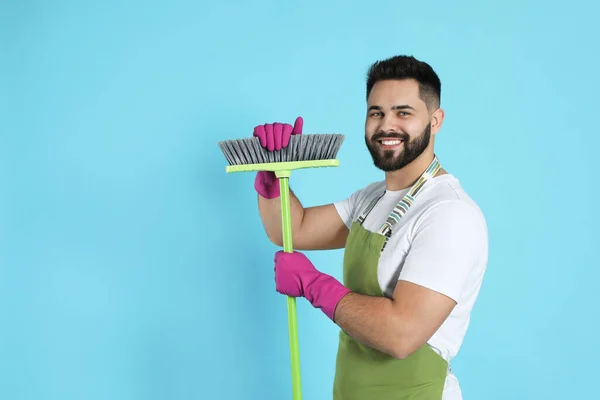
pixel 416 247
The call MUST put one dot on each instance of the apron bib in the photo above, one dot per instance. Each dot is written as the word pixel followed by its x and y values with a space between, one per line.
pixel 363 373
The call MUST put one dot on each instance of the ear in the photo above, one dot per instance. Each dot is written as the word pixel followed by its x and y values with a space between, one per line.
pixel 437 119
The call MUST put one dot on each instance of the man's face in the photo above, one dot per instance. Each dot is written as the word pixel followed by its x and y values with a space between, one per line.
pixel 397 127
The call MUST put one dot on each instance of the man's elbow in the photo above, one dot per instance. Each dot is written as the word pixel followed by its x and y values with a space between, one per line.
pixel 276 240
pixel 401 354
pixel 274 236
pixel 403 349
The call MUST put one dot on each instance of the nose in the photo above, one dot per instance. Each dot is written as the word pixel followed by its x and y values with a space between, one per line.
pixel 389 123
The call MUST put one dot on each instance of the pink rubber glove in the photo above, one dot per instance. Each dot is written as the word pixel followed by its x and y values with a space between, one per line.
pixel 273 137
pixel 296 276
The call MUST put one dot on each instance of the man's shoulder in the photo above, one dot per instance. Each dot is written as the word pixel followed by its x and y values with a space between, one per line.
pixel 367 192
pixel 349 207
pixel 373 188
pixel 446 195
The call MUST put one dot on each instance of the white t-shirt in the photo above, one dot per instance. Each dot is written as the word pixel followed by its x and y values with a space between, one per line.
pixel 441 243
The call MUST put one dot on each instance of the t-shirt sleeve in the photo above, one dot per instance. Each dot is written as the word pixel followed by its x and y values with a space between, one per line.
pixel 345 208
pixel 449 245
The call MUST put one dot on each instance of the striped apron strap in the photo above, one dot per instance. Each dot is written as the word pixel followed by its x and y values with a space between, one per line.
pixel 407 200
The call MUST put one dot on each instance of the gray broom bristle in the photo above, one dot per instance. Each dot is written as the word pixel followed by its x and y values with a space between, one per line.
pixel 316 146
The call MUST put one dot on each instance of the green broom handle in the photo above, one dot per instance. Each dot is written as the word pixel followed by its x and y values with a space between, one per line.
pixel 286 216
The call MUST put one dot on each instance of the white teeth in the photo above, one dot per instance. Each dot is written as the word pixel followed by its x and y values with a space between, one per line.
pixel 391 142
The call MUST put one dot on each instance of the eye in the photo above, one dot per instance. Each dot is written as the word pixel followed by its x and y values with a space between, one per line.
pixel 375 114
pixel 403 113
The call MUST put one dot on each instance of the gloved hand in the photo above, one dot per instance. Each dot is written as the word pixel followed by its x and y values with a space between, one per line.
pixel 296 276
pixel 273 137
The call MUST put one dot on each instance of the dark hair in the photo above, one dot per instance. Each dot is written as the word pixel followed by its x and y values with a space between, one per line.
pixel 408 67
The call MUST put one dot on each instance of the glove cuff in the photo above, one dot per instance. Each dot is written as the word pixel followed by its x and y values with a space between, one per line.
pixel 325 293
pixel 266 184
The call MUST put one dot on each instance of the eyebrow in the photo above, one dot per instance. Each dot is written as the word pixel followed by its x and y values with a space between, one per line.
pixel 400 107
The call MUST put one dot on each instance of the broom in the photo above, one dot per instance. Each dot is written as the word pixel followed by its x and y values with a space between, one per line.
pixel 303 151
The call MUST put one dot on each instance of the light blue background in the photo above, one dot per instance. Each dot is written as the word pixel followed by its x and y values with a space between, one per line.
pixel 133 267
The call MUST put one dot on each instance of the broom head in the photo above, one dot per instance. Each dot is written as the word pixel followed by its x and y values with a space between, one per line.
pixel 303 151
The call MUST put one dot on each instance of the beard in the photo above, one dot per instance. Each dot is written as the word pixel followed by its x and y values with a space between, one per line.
pixel 387 160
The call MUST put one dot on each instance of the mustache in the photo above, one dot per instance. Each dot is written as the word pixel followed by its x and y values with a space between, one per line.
pixel 390 135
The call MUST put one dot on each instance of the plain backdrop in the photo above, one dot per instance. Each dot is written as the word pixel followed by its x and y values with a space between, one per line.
pixel 132 267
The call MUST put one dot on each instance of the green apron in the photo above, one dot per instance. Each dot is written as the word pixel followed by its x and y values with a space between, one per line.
pixel 363 373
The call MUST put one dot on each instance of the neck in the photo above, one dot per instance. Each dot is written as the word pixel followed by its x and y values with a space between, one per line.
pixel 407 176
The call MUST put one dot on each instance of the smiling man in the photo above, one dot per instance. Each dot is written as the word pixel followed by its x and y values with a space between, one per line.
pixel 416 247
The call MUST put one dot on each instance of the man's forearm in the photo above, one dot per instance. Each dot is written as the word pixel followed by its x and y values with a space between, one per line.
pixel 270 213
pixel 372 321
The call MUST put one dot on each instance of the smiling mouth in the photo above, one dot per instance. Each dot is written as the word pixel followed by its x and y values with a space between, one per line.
pixel 390 143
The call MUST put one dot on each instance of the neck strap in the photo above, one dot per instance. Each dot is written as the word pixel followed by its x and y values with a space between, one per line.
pixel 408 199
pixel 404 204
